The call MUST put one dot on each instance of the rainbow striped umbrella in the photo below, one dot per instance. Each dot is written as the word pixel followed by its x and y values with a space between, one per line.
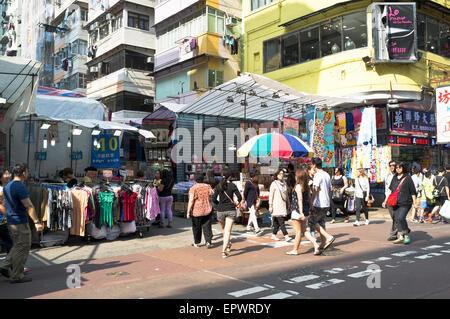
pixel 276 145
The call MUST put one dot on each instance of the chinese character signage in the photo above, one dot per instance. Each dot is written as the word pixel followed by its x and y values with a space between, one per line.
pixel 401 37
pixel 107 153
pixel 443 115
pixel 413 121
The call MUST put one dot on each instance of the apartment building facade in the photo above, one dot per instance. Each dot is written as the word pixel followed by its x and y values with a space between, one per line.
pixel 121 50
pixel 70 45
pixel 198 47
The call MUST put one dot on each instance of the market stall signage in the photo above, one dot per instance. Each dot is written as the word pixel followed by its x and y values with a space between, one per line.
pixel 77 156
pixel 107 152
pixel 443 114
pixel 413 121
pixel 406 140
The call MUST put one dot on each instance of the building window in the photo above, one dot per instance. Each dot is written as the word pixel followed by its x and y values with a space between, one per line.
pixel 331 37
pixel 104 31
pixel 216 21
pixel 290 48
pixel 82 81
pixel 215 78
pixel 116 22
pixel 83 14
pixel 309 44
pixel 421 31
pixel 272 56
pixel 256 4
pixel 444 36
pixel 432 44
pixel 94 36
pixel 138 21
pixel 354 30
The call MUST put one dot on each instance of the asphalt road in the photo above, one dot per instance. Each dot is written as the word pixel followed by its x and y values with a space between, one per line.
pixel 259 269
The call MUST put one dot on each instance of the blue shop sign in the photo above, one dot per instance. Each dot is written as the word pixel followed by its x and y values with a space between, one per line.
pixel 107 153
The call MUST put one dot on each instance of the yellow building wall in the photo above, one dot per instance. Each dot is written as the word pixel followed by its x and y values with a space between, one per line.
pixel 338 74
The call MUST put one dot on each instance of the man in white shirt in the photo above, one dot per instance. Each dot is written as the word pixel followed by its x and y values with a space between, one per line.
pixel 321 203
pixel 387 192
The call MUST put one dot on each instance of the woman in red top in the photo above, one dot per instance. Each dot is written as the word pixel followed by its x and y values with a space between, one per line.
pixel 200 204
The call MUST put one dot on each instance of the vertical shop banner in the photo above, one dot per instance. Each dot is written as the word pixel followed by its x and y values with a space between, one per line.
pixel 291 126
pixel 381 120
pixel 310 119
pixel 443 114
pixel 108 154
pixel 323 138
pixel 29 138
pixel 401 32
pixel 368 131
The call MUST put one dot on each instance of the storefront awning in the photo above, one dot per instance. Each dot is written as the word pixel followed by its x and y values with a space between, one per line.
pixel 266 99
pixel 18 84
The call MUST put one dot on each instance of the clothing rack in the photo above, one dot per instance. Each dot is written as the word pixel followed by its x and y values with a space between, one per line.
pixel 54 186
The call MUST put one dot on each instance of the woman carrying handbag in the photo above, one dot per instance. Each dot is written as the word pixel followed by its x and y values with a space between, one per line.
pixel 401 197
pixel 278 205
pixel 339 184
pixel 226 208
pixel 362 192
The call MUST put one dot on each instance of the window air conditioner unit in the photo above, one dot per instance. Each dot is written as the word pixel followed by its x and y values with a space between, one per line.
pixel 108 16
pixel 231 21
pixel 93 69
pixel 151 59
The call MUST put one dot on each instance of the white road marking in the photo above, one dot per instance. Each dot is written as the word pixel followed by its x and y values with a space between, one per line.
pixel 324 284
pixel 405 253
pixel 277 244
pixel 268 286
pixel 367 262
pixel 428 256
pixel 280 295
pixel 432 247
pixel 445 251
pixel 304 278
pixel 248 291
pixel 389 266
pixel 447 243
pixel 289 282
pixel 292 292
pixel 334 270
pixel 375 260
pixel 364 273
pixel 406 261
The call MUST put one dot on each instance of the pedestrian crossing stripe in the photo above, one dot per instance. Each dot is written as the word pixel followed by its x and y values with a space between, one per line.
pixel 428 256
pixel 376 260
pixel 445 251
pixel 405 253
pixel 249 291
pixel 280 295
pixel 303 278
pixel 324 284
pixel 334 270
pixel 364 273
pixel 432 247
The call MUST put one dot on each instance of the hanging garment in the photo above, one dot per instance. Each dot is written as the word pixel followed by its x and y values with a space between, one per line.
pixel 105 202
pixel 80 200
pixel 129 206
pixel 193 44
pixel 152 203
pixel 235 46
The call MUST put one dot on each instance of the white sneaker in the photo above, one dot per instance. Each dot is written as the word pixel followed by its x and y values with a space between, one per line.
pixel 356 223
pixel 274 237
pixel 287 238
pixel 367 222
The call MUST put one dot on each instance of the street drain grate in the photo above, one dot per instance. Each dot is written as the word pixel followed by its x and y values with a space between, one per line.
pixel 118 273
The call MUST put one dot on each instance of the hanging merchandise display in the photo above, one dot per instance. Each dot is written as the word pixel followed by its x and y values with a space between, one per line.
pixel 323 137
pixel 375 159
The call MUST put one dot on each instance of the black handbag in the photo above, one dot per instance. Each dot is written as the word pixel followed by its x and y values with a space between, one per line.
pixel 437 191
pixel 337 196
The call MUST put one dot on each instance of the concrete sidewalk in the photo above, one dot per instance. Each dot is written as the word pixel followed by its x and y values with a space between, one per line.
pixel 77 250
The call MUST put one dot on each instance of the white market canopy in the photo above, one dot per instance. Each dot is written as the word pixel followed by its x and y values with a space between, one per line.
pixel 18 85
pixel 129 117
pixel 77 111
pixel 267 100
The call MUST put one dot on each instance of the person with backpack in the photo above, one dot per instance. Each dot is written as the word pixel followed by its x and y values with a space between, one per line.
pixel 251 197
pixel 226 208
pixel 401 197
pixel 278 203
pixel 441 193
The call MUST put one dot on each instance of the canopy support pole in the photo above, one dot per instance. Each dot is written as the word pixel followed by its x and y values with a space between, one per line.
pixel 29 141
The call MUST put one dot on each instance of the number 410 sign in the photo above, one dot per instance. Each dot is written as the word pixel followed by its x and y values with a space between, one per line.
pixel 106 152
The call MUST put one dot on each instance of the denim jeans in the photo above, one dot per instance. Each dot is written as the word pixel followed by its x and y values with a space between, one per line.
pixel 358 203
pixel 400 214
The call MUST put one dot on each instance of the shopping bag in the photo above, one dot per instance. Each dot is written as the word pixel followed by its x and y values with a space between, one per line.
pixel 445 210
pixel 350 205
